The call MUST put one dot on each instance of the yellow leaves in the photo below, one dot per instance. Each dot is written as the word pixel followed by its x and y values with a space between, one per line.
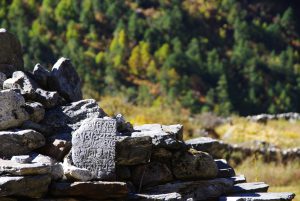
pixel 174 77
pixel 72 32
pixel 139 59
pixel 100 58
pixel 162 53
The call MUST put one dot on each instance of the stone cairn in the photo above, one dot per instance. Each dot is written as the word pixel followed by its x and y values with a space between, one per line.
pixel 55 146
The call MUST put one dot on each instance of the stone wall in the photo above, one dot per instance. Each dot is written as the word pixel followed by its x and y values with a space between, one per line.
pixel 42 117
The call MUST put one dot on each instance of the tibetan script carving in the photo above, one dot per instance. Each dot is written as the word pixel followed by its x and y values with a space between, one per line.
pixel 93 147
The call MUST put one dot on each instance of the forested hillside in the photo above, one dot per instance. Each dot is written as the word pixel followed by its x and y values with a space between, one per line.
pixel 206 55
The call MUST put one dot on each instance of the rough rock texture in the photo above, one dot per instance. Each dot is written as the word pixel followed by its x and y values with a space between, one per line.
pixel 57 146
pixel 2 79
pixel 259 197
pixel 65 80
pixel 27 186
pixel 12 113
pixel 91 190
pixel 250 187
pixel 157 197
pixel 194 165
pixel 35 110
pixel 41 75
pixel 31 91
pixel 14 168
pixel 158 129
pixel 195 190
pixel 10 53
pixel 151 174
pixel 77 174
pixel 68 118
pixel 19 142
pixel 133 151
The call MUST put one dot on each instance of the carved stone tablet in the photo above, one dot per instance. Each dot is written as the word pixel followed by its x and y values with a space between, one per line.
pixel 93 147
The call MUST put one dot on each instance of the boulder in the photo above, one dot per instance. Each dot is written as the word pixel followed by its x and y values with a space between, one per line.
pixel 12 113
pixel 10 53
pixel 35 110
pixel 24 186
pixel 194 190
pixel 19 169
pixel 19 142
pixel 43 129
pixel 31 90
pixel 97 190
pixel 41 75
pixel 68 118
pixel 151 174
pixel 65 80
pixel 133 151
pixel 259 197
pixel 193 164
pixel 2 79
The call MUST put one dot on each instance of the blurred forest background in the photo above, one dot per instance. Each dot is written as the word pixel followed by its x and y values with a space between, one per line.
pixel 225 56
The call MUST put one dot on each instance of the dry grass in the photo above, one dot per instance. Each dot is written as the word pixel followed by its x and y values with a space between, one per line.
pixel 280 177
pixel 281 133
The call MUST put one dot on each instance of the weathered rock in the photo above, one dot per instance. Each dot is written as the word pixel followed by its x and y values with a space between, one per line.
pixel 42 159
pixel 259 197
pixel 31 91
pixel 27 186
pixel 21 159
pixel 151 174
pixel 253 187
pixel 133 151
pixel 14 168
pixel 68 118
pixel 65 80
pixel 41 75
pixel 168 137
pixel 35 110
pixel 2 79
pixel 194 165
pixel 156 197
pixel 10 53
pixel 8 199
pixel 77 174
pixel 57 146
pixel 94 147
pixel 19 142
pixel 123 127
pixel 91 190
pixel 194 190
pixel 162 155
pixel 225 170
pixel 123 173
pixel 12 113
pixel 238 179
pixel 43 129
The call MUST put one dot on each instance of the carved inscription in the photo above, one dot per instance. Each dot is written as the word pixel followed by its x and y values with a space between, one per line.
pixel 93 147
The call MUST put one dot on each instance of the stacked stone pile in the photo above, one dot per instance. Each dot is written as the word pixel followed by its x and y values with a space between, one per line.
pixel 57 147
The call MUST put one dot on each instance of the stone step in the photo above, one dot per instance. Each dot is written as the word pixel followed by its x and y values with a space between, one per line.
pixel 251 187
pixel 259 197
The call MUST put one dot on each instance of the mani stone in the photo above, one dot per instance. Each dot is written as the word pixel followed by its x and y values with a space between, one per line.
pixel 94 147
pixel 10 53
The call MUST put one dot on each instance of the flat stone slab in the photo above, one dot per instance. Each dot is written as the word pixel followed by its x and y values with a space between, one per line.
pixel 24 186
pixel 194 190
pixel 94 147
pixel 14 168
pixel 259 197
pixel 252 187
pixel 91 190
pixel 157 197
pixel 238 179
